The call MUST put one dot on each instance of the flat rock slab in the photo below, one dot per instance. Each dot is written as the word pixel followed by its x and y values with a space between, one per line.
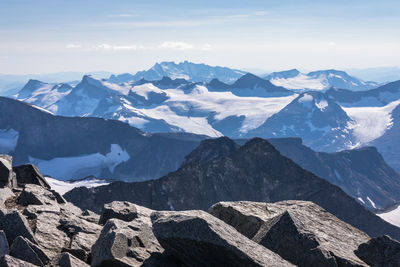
pixel 300 231
pixel 5 193
pixel 380 251
pixel 122 210
pixel 200 239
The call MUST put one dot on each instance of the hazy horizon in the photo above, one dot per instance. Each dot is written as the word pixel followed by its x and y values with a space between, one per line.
pixel 125 36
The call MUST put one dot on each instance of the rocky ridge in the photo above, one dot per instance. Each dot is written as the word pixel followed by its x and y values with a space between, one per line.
pixel 38 227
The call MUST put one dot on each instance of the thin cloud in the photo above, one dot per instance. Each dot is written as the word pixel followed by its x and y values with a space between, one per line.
pixel 176 45
pixel 109 47
pixel 73 46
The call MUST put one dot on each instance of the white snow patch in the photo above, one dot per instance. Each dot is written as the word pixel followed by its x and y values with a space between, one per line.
pixel 63 187
pixel 81 166
pixel 372 203
pixel 392 216
pixel 306 99
pixel 301 82
pixel 8 140
pixel 322 104
pixel 361 200
pixel 370 123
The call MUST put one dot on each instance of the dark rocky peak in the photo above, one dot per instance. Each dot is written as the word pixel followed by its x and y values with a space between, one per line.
pixel 218 85
pixel 167 81
pixel 210 149
pixel 141 81
pixel 258 146
pixel 251 81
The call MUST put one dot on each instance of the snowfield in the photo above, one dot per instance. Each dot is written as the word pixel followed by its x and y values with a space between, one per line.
pixel 63 187
pixel 392 217
pixel 199 102
pixel 370 122
pixel 81 166
pixel 301 82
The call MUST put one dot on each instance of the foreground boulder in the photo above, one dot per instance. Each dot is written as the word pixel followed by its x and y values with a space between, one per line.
pixel 29 174
pixel 9 261
pixel 199 239
pixel 4 249
pixel 380 251
pixel 122 210
pixel 7 176
pixel 14 224
pixel 300 231
pixel 67 260
pixel 24 250
pixel 126 243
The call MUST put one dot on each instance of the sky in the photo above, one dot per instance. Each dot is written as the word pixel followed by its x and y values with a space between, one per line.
pixel 46 36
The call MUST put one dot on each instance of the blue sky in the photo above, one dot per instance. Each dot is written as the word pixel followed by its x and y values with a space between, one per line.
pixel 43 36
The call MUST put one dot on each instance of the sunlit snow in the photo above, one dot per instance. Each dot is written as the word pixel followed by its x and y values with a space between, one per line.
pixel 63 187
pixel 370 123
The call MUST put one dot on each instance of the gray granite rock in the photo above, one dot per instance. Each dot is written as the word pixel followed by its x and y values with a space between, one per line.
pixel 36 195
pixel 380 251
pixel 122 210
pixel 200 239
pixel 65 259
pixel 21 249
pixel 29 174
pixel 300 231
pixel 15 224
pixel 9 261
pixel 129 243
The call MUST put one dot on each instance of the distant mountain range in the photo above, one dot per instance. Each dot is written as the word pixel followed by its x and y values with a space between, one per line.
pixel 185 70
pixel 251 106
pixel 318 80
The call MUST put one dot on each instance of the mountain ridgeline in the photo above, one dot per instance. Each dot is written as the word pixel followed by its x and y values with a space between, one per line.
pixel 255 171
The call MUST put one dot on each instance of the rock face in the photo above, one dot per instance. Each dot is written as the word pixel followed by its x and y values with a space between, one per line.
pixel 254 172
pixel 380 251
pixel 301 232
pixel 361 173
pixel 14 225
pixel 29 174
pixel 120 210
pixel 199 239
pixel 7 177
